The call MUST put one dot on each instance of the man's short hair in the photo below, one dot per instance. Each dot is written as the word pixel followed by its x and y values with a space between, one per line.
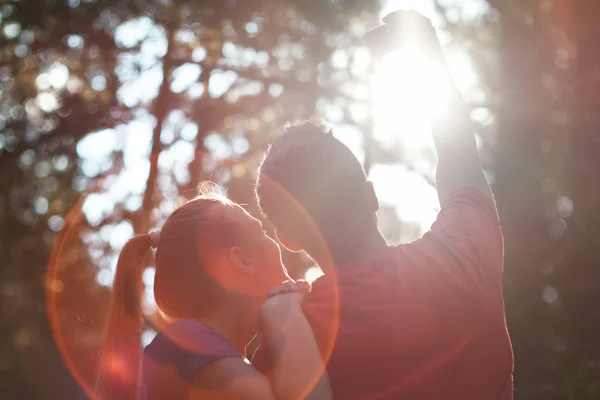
pixel 307 170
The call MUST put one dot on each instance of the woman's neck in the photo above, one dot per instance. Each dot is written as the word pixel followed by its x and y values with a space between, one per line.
pixel 235 319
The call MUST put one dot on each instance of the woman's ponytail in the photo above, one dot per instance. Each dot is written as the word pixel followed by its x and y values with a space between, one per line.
pixel 120 359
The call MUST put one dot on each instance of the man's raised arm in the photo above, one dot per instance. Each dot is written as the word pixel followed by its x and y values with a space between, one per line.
pixel 453 133
pixel 454 138
pixel 464 246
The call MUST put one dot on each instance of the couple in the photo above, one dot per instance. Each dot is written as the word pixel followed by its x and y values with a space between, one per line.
pixel 423 320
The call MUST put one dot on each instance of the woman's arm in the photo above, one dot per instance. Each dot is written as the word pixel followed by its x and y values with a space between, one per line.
pixel 298 370
pixel 230 378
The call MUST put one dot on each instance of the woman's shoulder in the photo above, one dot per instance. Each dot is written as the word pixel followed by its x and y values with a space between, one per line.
pixel 186 346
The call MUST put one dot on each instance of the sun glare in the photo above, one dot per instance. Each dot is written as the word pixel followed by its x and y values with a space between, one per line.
pixel 312 274
pixel 409 89
pixel 407 80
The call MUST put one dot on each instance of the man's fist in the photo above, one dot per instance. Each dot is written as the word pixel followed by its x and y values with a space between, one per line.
pixel 401 28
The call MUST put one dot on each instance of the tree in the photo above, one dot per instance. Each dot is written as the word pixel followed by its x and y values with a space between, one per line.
pixel 541 132
pixel 110 111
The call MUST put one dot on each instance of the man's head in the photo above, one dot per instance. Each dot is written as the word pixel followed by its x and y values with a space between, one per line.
pixel 310 185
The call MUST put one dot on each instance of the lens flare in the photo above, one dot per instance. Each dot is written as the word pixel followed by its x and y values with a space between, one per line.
pixel 77 304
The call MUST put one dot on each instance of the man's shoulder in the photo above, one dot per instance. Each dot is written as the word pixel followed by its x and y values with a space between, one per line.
pixel 323 293
pixel 358 283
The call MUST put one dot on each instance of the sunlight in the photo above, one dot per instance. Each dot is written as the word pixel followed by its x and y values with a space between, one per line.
pixel 312 274
pixel 408 80
pixel 413 197
pixel 461 70
pixel 47 102
pixel 58 76
pixel 409 89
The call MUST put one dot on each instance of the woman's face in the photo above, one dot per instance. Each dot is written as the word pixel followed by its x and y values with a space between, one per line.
pixel 260 252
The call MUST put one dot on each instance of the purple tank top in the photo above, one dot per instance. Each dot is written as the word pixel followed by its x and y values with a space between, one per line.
pixel 173 356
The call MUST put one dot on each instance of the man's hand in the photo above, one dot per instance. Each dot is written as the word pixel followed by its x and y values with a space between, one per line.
pixel 411 27
pixel 401 28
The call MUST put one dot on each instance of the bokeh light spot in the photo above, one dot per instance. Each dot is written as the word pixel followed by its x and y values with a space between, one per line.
pixel 56 223
pixel 41 205
pixel 550 294
pixel 47 102
pixel 75 41
pixel 105 277
pixel 58 76
pixel 12 30
pixel 57 286
pixel 564 206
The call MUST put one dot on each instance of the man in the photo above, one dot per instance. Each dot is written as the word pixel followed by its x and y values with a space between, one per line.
pixel 423 320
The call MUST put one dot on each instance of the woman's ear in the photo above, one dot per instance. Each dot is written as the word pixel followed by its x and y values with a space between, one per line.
pixel 242 260
pixel 235 270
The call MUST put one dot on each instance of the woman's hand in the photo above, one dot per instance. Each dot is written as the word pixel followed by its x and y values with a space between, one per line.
pixel 298 369
pixel 299 286
pixel 284 303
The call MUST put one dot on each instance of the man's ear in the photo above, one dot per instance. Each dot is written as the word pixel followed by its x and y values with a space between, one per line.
pixel 241 260
pixel 371 200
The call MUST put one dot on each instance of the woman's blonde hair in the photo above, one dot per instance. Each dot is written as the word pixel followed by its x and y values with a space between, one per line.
pixel 182 287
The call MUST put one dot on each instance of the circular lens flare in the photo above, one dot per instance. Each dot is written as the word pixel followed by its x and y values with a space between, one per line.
pixel 77 303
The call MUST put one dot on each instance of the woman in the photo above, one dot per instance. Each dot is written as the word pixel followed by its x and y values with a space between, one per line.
pixel 215 267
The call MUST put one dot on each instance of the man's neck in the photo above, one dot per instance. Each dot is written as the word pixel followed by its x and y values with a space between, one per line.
pixel 372 246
